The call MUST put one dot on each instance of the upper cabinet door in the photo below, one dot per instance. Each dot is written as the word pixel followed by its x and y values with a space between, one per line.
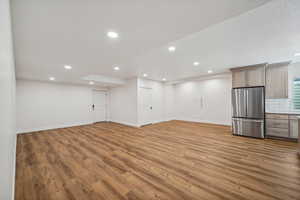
pixel 277 80
pixel 248 76
pixel 238 78
pixel 256 76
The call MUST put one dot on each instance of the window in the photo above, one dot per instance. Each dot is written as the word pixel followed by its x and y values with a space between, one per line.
pixel 296 93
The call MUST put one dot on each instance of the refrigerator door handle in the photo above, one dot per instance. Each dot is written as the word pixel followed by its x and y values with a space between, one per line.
pixel 247 101
pixel 250 120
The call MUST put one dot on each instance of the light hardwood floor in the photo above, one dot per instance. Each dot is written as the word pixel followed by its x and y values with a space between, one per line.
pixel 170 160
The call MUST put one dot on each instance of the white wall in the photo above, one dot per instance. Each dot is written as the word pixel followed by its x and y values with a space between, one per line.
pixel 169 102
pixel 44 105
pixel 123 103
pixel 206 101
pixel 7 105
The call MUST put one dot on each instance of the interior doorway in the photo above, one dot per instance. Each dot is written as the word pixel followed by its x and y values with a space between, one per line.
pixel 99 106
pixel 146 107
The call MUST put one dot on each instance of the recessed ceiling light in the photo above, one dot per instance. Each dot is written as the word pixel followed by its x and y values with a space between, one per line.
pixel 164 79
pixel 196 63
pixel 51 78
pixel 297 54
pixel 91 83
pixel 116 68
pixel 145 75
pixel 209 71
pixel 68 67
pixel 112 34
pixel 172 48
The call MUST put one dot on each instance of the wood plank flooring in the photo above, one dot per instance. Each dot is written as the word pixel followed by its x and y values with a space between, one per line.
pixel 170 160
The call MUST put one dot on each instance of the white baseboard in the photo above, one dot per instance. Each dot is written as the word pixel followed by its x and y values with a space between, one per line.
pixel 170 119
pixel 27 130
pixel 137 125
pixel 205 121
pixel 125 123
pixel 159 121
pixel 154 122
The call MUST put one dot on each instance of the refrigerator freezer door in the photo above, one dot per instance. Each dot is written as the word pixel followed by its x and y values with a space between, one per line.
pixel 237 127
pixel 255 103
pixel 247 127
pixel 239 103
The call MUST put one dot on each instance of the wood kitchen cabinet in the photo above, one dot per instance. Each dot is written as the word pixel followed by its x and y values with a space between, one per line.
pixel 277 125
pixel 277 80
pixel 282 125
pixel 293 119
pixel 248 76
pixel 256 76
pixel 238 78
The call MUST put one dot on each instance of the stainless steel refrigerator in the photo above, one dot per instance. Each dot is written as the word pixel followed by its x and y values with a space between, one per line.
pixel 248 111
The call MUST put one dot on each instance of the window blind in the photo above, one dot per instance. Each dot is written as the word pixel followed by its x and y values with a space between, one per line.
pixel 296 93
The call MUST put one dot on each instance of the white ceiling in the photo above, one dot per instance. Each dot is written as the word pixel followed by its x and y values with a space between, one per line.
pixel 270 33
pixel 51 33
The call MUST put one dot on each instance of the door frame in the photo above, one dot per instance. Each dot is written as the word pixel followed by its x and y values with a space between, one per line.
pixel 106 104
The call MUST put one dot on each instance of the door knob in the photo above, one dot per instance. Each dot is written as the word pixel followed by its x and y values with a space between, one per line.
pixel 93 106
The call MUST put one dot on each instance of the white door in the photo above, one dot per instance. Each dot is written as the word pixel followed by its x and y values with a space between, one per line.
pixel 146 106
pixel 99 106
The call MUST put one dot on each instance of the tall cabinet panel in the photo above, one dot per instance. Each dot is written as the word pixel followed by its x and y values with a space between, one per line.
pixel 277 80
